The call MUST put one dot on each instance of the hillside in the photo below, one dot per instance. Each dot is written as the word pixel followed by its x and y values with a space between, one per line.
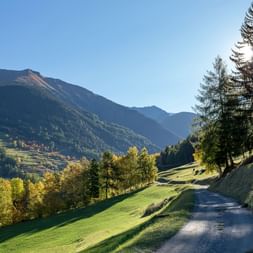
pixel 94 123
pixel 238 184
pixel 76 230
pixel 109 111
pixel 29 111
pixel 119 221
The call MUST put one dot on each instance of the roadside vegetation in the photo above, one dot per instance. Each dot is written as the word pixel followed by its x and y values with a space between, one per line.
pixel 238 184
pixel 164 222
pixel 163 226
pixel 225 107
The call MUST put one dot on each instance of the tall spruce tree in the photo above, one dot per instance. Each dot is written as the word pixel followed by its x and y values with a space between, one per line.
pixel 218 118
pixel 94 179
pixel 242 56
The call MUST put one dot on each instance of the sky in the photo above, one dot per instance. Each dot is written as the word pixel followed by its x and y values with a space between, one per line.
pixel 134 52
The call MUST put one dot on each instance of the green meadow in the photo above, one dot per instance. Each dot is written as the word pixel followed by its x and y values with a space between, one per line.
pixel 113 225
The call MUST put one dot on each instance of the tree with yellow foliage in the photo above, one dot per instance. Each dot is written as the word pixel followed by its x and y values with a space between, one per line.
pixel 6 206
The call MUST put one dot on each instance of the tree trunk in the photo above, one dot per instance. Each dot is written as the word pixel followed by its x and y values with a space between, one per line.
pixel 231 161
pixel 227 170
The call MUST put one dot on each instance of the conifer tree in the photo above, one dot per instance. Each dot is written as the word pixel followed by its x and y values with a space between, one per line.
pixel 242 56
pixel 106 173
pixel 219 119
pixel 94 179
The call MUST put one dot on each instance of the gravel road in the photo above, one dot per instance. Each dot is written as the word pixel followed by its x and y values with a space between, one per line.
pixel 218 225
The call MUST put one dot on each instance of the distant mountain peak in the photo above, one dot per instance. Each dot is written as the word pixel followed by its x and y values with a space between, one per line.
pixel 179 124
pixel 153 112
pixel 26 77
pixel 30 72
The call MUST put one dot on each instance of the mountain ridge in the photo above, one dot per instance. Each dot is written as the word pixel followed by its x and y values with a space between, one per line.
pixel 106 124
pixel 110 111
pixel 180 124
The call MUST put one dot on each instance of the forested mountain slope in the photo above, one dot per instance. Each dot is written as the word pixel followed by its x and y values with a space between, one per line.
pixel 109 111
pixel 30 110
pixel 112 125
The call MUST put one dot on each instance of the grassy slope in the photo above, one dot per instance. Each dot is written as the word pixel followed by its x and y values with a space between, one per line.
pixel 238 184
pixel 162 226
pixel 105 226
pixel 150 235
pixel 185 175
pixel 76 230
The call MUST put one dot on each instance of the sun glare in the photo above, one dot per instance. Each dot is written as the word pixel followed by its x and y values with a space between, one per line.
pixel 247 52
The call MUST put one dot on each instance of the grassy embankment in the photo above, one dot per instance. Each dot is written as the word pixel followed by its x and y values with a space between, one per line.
pixel 114 225
pixel 238 184
pixel 166 223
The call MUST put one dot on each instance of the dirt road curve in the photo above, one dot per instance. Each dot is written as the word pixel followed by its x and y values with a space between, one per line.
pixel 218 225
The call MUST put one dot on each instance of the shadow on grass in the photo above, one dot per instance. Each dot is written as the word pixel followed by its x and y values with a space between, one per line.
pixel 112 243
pixel 177 205
pixel 62 219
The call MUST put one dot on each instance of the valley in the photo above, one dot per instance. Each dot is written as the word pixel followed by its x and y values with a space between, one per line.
pixel 103 227
pixel 66 122
pixel 121 132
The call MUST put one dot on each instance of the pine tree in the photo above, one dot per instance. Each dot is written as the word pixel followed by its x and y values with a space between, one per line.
pixel 218 118
pixel 94 179
pixel 106 173
pixel 242 56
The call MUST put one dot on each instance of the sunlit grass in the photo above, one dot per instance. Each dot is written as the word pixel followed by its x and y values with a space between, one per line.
pixel 110 224
pixel 78 229
pixel 189 173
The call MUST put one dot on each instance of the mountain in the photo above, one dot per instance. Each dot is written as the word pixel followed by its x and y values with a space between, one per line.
pixel 72 119
pixel 109 111
pixel 179 123
pixel 30 111
pixel 153 112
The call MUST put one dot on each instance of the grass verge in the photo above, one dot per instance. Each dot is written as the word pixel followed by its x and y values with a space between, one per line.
pixel 238 184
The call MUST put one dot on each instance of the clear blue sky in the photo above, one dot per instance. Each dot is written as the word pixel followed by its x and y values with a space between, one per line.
pixel 134 52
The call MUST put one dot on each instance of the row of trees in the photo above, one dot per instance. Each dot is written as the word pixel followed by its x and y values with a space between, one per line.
pixel 225 107
pixel 78 185
pixel 176 155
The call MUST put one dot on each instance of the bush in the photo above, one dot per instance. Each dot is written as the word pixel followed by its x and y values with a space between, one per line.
pixel 152 208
